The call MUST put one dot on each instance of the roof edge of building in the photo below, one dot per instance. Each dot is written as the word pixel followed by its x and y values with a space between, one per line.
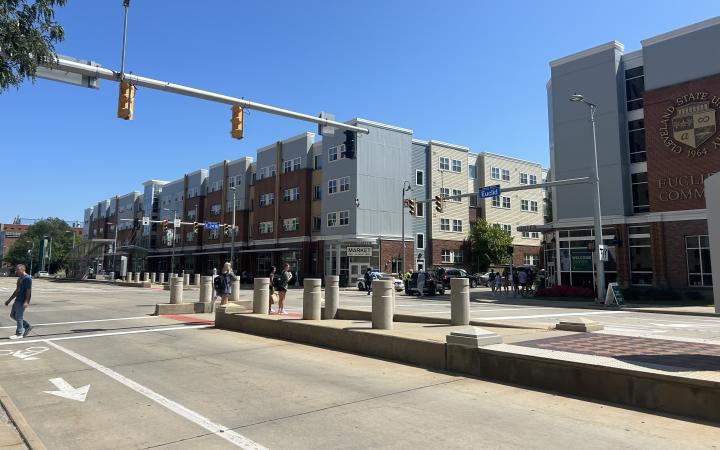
pixel 681 31
pixel 587 52
pixel 385 126
pixel 449 145
pixel 511 158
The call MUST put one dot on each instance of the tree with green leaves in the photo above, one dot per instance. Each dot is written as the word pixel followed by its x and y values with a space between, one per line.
pixel 29 246
pixel 28 32
pixel 489 244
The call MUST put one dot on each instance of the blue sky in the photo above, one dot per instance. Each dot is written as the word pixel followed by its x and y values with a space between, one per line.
pixel 466 72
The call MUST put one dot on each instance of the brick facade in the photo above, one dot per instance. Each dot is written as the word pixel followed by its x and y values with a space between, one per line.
pixel 519 252
pixel 676 171
pixel 438 245
pixel 390 250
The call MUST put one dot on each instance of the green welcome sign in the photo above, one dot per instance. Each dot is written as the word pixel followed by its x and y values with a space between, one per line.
pixel 581 261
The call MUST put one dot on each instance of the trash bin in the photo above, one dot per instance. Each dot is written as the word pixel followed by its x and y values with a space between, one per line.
pixel 343 280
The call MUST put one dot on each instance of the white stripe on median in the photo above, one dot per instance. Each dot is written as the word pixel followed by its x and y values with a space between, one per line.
pixel 114 333
pixel 539 316
pixel 88 321
pixel 220 431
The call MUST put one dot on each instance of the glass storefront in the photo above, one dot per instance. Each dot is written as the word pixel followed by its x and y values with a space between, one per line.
pixel 363 254
pixel 576 257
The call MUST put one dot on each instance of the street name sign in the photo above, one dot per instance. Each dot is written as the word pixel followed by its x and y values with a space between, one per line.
pixel 176 223
pixel 489 191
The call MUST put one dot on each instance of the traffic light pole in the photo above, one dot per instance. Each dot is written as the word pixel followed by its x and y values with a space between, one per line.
pixel 232 239
pixel 172 258
pixel 401 270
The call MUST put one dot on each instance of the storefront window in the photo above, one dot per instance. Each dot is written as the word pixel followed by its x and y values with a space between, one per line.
pixel 699 269
pixel 640 257
pixel 263 263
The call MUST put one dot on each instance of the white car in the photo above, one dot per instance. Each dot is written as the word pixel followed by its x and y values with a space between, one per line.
pixel 397 283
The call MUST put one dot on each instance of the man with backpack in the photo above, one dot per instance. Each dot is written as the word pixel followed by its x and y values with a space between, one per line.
pixel 223 284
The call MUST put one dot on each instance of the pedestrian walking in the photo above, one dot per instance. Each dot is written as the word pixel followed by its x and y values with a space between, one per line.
pixel 497 286
pixel 223 284
pixel 273 281
pixel 491 279
pixel 522 281
pixel 368 280
pixel 282 287
pixel 22 294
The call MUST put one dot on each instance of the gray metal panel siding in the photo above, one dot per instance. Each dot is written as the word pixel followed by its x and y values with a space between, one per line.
pixel 418 224
pixel 596 77
pixel 243 190
pixel 682 58
pixel 340 201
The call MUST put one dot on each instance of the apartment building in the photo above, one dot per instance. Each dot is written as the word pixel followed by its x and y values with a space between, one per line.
pixel 305 202
pixel 657 141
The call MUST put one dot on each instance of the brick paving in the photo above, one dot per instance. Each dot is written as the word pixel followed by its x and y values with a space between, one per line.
pixel 670 355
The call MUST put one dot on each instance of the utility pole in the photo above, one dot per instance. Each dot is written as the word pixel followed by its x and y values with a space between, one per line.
pixel 401 269
pixel 232 231
pixel 172 258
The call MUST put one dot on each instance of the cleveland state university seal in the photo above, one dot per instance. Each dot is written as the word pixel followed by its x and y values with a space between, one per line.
pixel 690 125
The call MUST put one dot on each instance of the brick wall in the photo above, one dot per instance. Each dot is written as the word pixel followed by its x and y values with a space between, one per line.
pixel 520 251
pixel 676 170
pixel 393 249
pixel 674 250
pixel 438 245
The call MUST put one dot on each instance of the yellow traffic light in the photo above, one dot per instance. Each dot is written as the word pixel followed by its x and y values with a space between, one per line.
pixel 126 99
pixel 196 227
pixel 165 225
pixel 439 203
pixel 236 130
pixel 412 207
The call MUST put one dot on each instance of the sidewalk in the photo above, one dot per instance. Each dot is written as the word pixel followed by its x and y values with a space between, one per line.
pixel 487 297
pixel 15 432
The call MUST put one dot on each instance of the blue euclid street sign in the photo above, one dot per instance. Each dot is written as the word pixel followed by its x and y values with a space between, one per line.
pixel 211 225
pixel 490 191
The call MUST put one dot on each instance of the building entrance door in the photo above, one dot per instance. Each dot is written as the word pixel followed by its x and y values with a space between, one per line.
pixel 550 275
pixel 356 271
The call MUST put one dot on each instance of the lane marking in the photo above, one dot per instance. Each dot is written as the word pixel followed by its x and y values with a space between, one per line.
pixel 65 390
pixel 87 321
pixel 187 319
pixel 114 333
pixel 220 431
pixel 538 316
pixel 26 355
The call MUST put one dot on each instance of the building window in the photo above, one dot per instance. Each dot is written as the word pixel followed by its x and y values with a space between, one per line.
pixel 640 256
pixel 444 163
pixel 641 196
pixel 344 218
pixel 495 173
pixel 290 195
pixel 523 178
pixel 535 234
pixel 458 257
pixel 525 234
pixel 287 166
pixel 215 209
pixel 445 192
pixel 533 206
pixel 316 192
pixel 531 260
pixel 456 165
pixel 316 162
pixel 698 261
pixel 332 186
pixel 634 87
pixel 506 202
pixel 266 199
pixel 331 219
pixel 447 256
pixel 496 202
pixel 266 227
pixel 316 223
pixel 507 229
pixel 344 184
pixel 341 149
pixel 524 205
pixel 420 241
pixel 445 224
pixel 296 163
pixel 419 209
pixel 506 175
pixel 457 226
pixel 190 236
pixel 533 179
pixel 214 234
pixel 472 171
pixel 332 154
pixel 291 224
pixel 636 141
pixel 419 177
pixel 457 193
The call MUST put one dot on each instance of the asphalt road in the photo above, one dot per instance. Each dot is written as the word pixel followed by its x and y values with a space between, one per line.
pixel 176 382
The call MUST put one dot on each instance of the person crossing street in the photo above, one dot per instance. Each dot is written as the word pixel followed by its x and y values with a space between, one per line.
pixel 22 296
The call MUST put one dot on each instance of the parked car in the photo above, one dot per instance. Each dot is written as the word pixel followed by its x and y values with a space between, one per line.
pixel 432 285
pixel 448 274
pixel 397 283
pixel 483 278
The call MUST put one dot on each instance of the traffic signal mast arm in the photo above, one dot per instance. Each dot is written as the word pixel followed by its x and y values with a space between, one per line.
pixel 67 65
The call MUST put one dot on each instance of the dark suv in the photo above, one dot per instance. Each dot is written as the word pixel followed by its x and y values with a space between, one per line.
pixel 446 275
pixel 432 285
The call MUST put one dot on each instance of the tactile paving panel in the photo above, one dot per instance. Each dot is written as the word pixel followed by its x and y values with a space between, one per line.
pixel 652 352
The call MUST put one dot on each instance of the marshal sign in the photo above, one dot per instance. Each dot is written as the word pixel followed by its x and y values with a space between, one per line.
pixel 359 251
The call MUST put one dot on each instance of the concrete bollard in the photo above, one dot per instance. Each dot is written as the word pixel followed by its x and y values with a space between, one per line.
pixel 161 278
pixel 153 277
pixel 176 290
pixel 146 276
pixel 137 277
pixel 186 279
pixel 195 279
pixel 383 304
pixel 261 295
pixel 459 301
pixel 311 299
pixel 206 289
pixel 129 277
pixel 332 296
pixel 235 291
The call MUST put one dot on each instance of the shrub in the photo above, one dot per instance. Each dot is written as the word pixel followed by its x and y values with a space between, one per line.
pixel 566 291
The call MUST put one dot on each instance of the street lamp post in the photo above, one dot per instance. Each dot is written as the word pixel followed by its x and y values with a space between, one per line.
pixel 232 231
pixel 599 264
pixel 114 242
pixel 401 269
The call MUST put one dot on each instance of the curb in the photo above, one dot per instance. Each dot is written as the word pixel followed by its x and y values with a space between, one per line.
pixel 21 425
pixel 678 313
pixel 639 309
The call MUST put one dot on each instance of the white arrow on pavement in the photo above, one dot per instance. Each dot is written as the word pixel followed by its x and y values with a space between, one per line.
pixel 67 391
